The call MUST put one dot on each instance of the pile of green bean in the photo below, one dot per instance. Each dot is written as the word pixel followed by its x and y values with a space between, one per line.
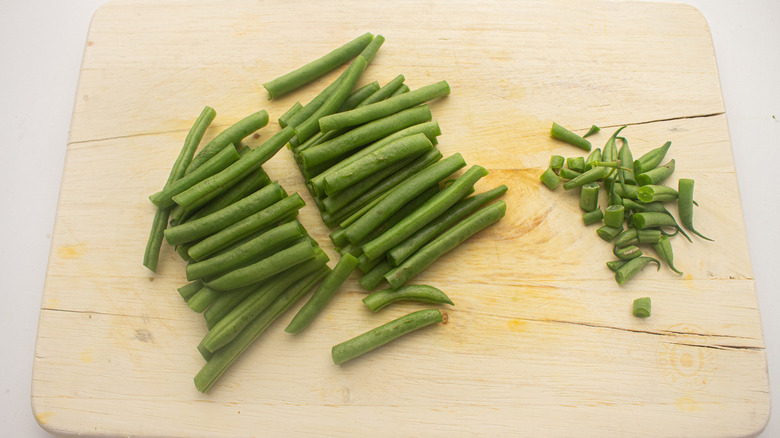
pixel 636 214
pixel 371 164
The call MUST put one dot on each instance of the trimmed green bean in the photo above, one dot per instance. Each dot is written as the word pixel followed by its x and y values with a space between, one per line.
pixel 614 215
pixel 594 156
pixel 309 72
pixel 626 159
pixel 656 175
pixel 651 219
pixel 626 191
pixel 550 179
pixel 202 299
pixel 455 213
pixel 664 250
pixel 401 90
pixel 234 322
pixel 284 118
pixel 227 301
pixel 447 241
pixel 371 279
pixel 277 237
pixel 685 205
pixel 607 233
pixel 364 134
pixel 632 267
pixel 632 205
pixel 589 196
pixel 210 224
pixel 408 189
pixel 413 292
pixel 220 161
pixel 209 188
pixel 626 252
pixel 360 95
pixel 432 209
pixel 231 135
pixel 592 217
pixel 610 152
pixel 190 289
pixel 641 307
pixel 250 184
pixel 407 147
pixel 383 334
pixel 593 130
pixel 655 193
pixel 245 227
pixel 576 164
pixel 614 265
pixel 651 159
pixel 383 93
pixel 355 216
pixel 378 110
pixel 265 268
pixel 221 360
pixel 558 132
pixel 323 294
pixel 569 174
pixel 592 175
pixel 556 162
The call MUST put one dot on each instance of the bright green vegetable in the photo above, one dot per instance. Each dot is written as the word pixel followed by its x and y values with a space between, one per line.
pixel 685 205
pixel 284 118
pixel 202 299
pixel 614 215
pixel 231 135
pixel 593 130
pixel 413 292
pixel 550 179
pixel 608 233
pixel 651 159
pixel 626 252
pixel 592 217
pixel 664 250
pixel 589 196
pixel 656 175
pixel 560 133
pixel 641 307
pixel 632 267
pixel 190 289
pixel 250 184
pixel 576 163
pixel 567 173
pixel 594 156
pixel 371 279
pixel 592 175
pixel 556 162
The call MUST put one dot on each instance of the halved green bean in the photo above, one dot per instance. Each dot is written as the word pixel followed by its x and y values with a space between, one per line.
pixel 234 322
pixel 654 193
pixel 319 67
pixel 225 356
pixel 323 294
pixel 567 173
pixel 560 133
pixel 432 209
pixel 401 194
pixel 250 184
pixel 231 135
pixel 576 163
pixel 265 268
pixel 556 162
pixel 607 233
pixel 284 118
pixel 455 213
pixel 626 252
pixel 407 147
pixel 594 156
pixel 246 226
pixel 209 188
pixel 614 215
pixel 656 175
pixel 190 289
pixel 632 267
pixel 664 250
pixel 210 224
pixel 614 265
pixel 592 217
pixel 589 196
pixel 592 175
pixel 444 243
pixel 371 279
pixel 651 159
pixel 550 179
pixel 219 264
pixel 593 130
pixel 364 134
pixel 641 307
pixel 413 292
pixel 685 205
pixel 383 334
pixel 220 161
pixel 202 299
pixel 378 110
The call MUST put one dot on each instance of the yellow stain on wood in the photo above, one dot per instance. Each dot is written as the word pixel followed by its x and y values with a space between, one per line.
pixel 516 325
pixel 43 417
pixel 86 356
pixel 71 252
pixel 686 403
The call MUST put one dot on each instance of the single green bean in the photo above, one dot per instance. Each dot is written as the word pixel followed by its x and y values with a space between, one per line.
pixel 383 334
pixel 656 175
pixel 560 133
pixel 651 219
pixel 246 226
pixel 210 224
pixel 651 159
pixel 592 175
pixel 641 307
pixel 413 292
pixel 576 164
pixel 231 135
pixel 265 268
pixel 550 179
pixel 278 237
pixel 626 159
pixel 626 252
pixel 450 217
pixel 220 161
pixel 567 173
pixel 317 68
pixel 614 265
pixel 556 162
pixel 614 215
pixel 610 152
pixel 589 196
pixel 371 279
pixel 190 289
pixel 284 118
pixel 593 130
pixel 234 322
pixel 444 243
pixel 220 361
pixel 364 134
pixel 359 96
pixel 594 156
pixel 401 90
pixel 607 233
pixel 323 294
pixel 378 110
pixel 383 93
pixel 202 299
pixel 653 193
pixel 592 217
pixel 209 188
pixel 632 267
pixel 401 194
pixel 664 250
pixel 685 205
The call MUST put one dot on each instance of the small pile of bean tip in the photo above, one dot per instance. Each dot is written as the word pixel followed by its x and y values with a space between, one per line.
pixel 636 215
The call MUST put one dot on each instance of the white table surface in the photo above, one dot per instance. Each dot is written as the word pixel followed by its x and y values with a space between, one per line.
pixel 41 45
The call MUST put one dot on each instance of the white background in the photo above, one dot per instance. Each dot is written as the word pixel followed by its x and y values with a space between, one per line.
pixel 41 46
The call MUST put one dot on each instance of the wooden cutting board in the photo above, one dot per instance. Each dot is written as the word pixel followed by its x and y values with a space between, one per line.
pixel 541 341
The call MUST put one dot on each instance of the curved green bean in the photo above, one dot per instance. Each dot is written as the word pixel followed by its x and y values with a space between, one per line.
pixel 651 159
pixel 383 334
pixel 632 267
pixel 593 130
pixel 610 152
pixel 558 132
pixel 626 159
pixel 392 105
pixel 685 205
pixel 656 175
pixel 664 250
pixel 413 292
pixel 447 241
pixel 309 72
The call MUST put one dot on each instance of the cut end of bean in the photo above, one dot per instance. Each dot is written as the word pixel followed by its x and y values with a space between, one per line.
pixel 641 307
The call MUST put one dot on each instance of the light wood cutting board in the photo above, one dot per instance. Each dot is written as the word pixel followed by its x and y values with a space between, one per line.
pixel 541 341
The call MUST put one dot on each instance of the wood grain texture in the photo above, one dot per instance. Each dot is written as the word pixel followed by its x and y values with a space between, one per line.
pixel 541 341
